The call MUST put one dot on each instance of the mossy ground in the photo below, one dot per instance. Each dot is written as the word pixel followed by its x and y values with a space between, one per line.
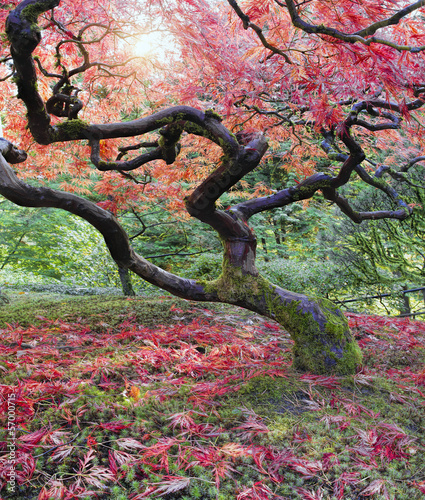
pixel 211 398
pixel 98 311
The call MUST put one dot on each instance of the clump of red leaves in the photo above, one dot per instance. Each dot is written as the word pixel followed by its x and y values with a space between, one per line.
pixel 146 413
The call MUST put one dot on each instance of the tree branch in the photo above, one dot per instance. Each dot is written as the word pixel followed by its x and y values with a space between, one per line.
pixel 358 217
pixel 115 237
pixel 358 37
pixel 302 191
pixel 122 166
pixel 234 166
pixel 248 24
pixel 24 36
pixel 394 19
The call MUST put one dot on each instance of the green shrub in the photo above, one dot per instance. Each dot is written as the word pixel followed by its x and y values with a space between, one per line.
pixel 205 267
pixel 308 277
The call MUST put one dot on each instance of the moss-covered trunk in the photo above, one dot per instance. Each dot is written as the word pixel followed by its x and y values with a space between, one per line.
pixel 324 343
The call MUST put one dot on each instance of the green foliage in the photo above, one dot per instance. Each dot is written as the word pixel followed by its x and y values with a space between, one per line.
pixel 291 231
pixel 381 256
pixel 54 245
pixel 59 288
pixel 380 252
pixel 167 240
pixel 205 267
pixel 4 299
pixel 321 278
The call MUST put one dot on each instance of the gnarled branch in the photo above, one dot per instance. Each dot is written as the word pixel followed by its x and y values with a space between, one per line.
pixel 359 36
pixel 115 237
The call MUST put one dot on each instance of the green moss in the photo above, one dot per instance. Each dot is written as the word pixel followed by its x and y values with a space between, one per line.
pixel 110 310
pixel 32 11
pixel 161 141
pixel 323 341
pixel 322 348
pixel 70 129
pixel 211 113
pixel 283 396
pixel 106 165
pixel 193 128
pixel 303 192
pixel 235 287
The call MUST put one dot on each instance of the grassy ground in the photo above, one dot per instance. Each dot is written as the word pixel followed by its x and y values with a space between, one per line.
pixel 115 398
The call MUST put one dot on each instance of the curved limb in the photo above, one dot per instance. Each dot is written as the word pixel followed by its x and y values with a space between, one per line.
pixel 115 237
pixel 359 36
pixel 122 166
pixel 358 217
pixel 323 342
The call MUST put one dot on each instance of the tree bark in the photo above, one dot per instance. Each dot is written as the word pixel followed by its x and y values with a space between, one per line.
pixel 125 278
pixel 323 341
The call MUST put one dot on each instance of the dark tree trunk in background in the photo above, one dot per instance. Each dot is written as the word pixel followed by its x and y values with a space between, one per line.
pixel 406 302
pixel 125 278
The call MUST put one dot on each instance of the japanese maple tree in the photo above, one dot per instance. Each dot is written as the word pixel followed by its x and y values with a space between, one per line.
pixel 335 81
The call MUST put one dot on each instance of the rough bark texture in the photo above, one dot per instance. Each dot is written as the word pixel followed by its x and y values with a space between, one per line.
pixel 125 278
pixel 323 342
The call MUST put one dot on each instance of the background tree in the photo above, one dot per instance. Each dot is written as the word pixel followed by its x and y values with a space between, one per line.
pixel 384 256
pixel 51 244
pixel 319 77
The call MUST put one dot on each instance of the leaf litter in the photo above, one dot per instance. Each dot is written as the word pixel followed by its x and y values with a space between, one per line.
pixel 210 408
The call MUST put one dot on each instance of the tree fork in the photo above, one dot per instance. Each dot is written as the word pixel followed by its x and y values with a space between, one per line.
pixel 323 341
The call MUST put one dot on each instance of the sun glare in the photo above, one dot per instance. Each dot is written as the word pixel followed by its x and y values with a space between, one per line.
pixel 155 44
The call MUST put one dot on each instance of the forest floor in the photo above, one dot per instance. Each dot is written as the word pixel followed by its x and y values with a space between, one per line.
pixel 117 398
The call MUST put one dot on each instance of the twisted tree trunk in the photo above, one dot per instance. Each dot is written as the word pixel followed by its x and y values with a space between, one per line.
pixel 323 341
